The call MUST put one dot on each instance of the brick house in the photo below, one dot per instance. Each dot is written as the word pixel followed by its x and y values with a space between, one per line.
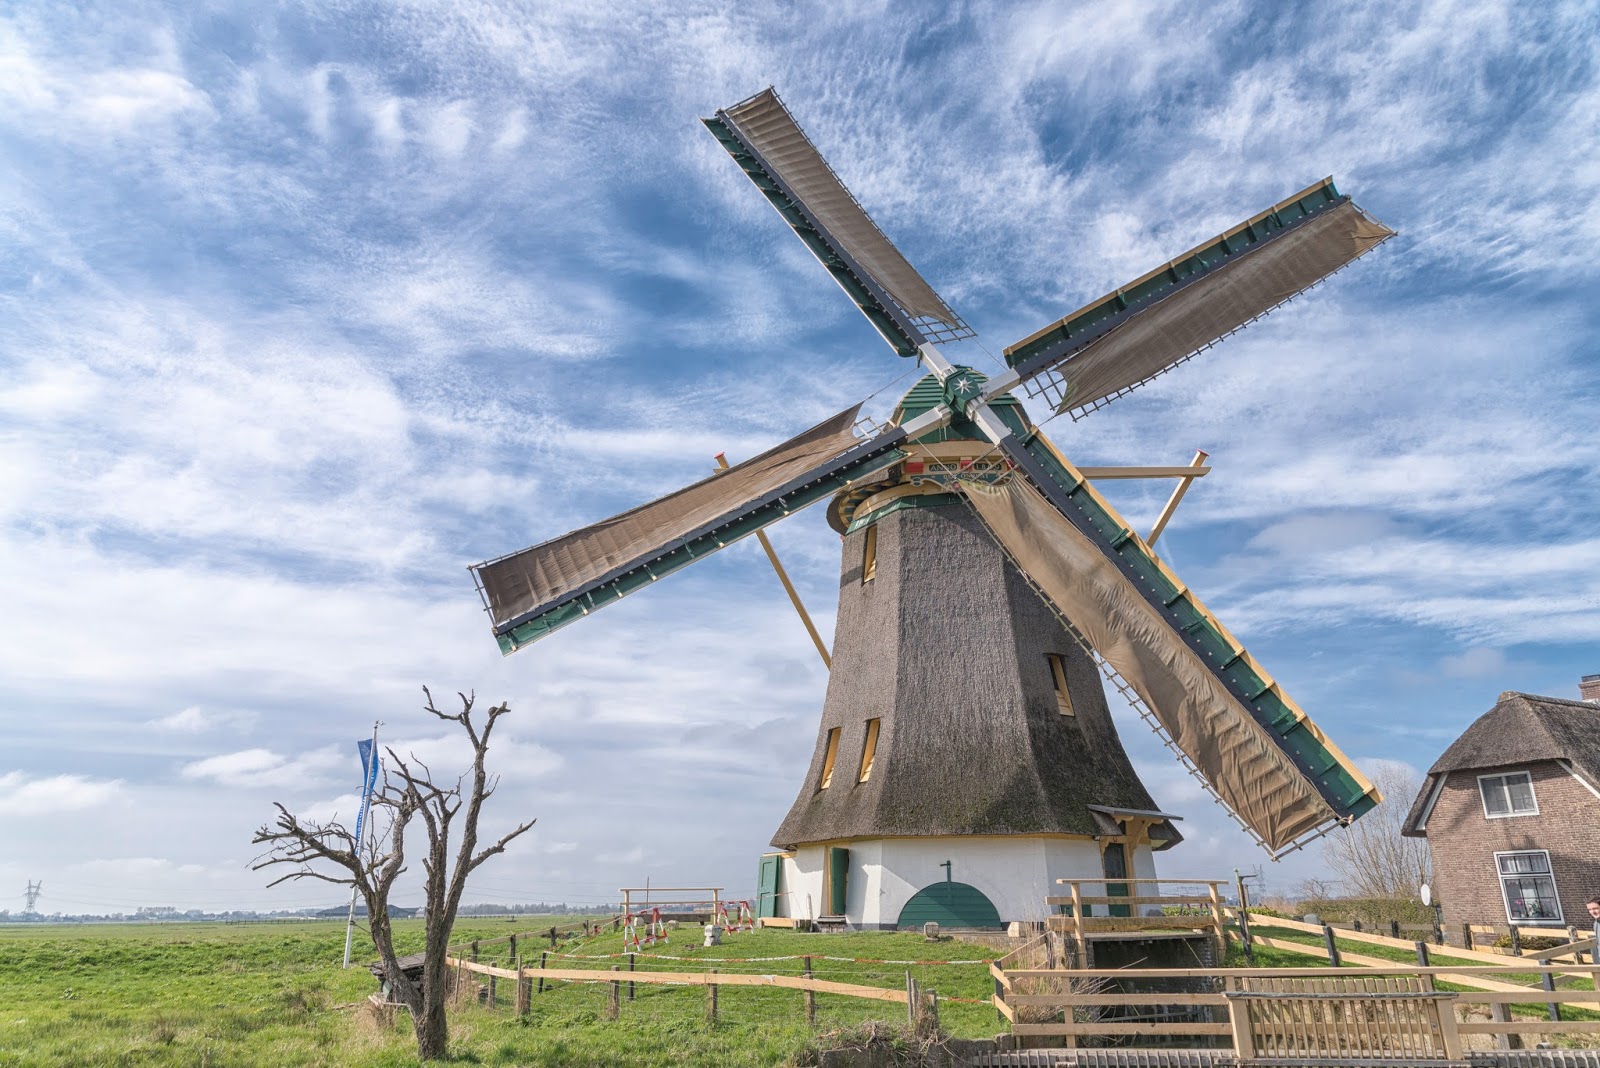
pixel 1511 812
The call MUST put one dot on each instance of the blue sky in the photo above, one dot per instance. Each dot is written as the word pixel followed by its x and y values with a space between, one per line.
pixel 303 308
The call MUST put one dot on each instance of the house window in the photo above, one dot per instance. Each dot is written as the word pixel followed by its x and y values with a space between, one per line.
pixel 869 555
pixel 870 753
pixel 1507 795
pixel 1529 887
pixel 1058 676
pixel 829 758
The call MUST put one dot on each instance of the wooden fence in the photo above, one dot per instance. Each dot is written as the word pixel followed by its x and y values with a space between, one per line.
pixel 1092 909
pixel 1211 1008
pixel 922 1006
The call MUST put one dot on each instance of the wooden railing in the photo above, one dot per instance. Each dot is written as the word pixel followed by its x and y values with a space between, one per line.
pixel 1089 908
pixel 1086 1002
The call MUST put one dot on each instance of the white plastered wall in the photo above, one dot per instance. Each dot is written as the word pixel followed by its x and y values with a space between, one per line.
pixel 1016 873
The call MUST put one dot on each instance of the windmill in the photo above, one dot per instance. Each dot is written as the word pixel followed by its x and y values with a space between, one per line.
pixel 965 756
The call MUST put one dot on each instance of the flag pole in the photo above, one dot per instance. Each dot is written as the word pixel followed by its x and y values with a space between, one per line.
pixel 368 780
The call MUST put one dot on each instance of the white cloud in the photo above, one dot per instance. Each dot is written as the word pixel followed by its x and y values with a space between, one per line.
pixel 1480 663
pixel 197 720
pixel 251 768
pixel 22 794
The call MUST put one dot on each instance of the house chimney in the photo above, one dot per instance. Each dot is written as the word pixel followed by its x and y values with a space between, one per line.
pixel 1589 689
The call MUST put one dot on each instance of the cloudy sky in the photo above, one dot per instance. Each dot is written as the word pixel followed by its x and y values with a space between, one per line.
pixel 303 308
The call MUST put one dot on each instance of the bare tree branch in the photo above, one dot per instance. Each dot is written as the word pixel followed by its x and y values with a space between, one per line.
pixel 408 790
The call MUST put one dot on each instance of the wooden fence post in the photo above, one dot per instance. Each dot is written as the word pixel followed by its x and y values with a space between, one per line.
pixel 1000 992
pixel 552 938
pixel 614 998
pixel 542 958
pixel 1333 945
pixel 1244 1047
pixel 1548 981
pixel 1422 954
pixel 1501 1013
pixel 1466 936
pixel 933 1011
pixel 1394 929
pixel 1357 924
pixel 515 963
pixel 711 998
pixel 811 999
pixel 1516 941
pixel 491 993
pixel 1218 928
pixel 524 992
pixel 630 981
pixel 474 951
pixel 911 1001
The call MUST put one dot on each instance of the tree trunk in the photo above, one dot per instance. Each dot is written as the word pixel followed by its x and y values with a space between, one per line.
pixel 433 1033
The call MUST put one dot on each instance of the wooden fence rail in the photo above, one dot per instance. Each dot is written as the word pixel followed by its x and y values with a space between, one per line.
pixel 1343 1010
pixel 711 978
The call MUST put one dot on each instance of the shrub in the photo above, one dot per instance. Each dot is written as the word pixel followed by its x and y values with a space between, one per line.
pixel 1373 912
pixel 1531 943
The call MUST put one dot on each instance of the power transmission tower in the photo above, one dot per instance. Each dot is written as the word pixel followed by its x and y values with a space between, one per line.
pixel 32 894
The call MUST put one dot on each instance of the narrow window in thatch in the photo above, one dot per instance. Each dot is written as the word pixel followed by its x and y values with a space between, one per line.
pixel 1058 675
pixel 827 761
pixel 870 752
pixel 869 555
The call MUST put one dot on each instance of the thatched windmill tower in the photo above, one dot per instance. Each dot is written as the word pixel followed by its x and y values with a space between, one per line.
pixel 965 758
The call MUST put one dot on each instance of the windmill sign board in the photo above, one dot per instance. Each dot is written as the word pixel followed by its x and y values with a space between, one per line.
pixel 966 757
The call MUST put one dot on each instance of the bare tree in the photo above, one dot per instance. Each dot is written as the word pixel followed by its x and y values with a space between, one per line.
pixel 1371 857
pixel 329 852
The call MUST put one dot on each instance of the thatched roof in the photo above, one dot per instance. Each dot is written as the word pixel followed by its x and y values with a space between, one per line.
pixel 1522 728
pixel 947 647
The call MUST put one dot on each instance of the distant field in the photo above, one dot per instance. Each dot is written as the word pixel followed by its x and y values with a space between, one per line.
pixel 273 994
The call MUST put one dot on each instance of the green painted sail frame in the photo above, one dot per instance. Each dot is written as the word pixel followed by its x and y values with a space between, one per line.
pixel 1346 791
pixel 865 459
pixel 1040 351
pixel 880 309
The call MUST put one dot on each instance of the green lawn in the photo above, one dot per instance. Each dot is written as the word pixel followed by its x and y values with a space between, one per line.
pixel 269 995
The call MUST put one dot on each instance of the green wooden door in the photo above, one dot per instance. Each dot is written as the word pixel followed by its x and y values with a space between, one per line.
pixel 1114 862
pixel 949 905
pixel 768 879
pixel 838 872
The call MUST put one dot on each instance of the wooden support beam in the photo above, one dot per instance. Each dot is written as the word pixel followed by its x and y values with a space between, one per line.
pixel 1197 464
pixel 1185 473
pixel 788 587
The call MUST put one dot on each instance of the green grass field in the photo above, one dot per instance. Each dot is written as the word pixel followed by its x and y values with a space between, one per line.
pixel 270 995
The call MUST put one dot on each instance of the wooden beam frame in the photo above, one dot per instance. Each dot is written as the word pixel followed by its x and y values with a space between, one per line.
pixel 788 587
pixel 1196 465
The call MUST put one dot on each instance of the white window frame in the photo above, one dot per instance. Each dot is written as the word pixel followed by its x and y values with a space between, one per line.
pixel 1484 800
pixel 1555 891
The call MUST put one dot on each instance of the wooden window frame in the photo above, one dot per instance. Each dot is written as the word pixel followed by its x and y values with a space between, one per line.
pixel 1500 777
pixel 869 752
pixel 1058 681
pixel 829 758
pixel 1549 873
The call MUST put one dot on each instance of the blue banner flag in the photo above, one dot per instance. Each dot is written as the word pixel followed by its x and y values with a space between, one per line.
pixel 369 779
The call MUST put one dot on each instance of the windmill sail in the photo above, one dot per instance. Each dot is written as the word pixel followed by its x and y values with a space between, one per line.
pixel 780 159
pixel 1154 323
pixel 1259 753
pixel 532 592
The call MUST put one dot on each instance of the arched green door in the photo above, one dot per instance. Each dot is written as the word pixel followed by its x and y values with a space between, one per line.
pixel 949 905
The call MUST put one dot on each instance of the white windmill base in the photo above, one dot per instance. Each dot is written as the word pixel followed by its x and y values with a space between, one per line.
pixel 1015 872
